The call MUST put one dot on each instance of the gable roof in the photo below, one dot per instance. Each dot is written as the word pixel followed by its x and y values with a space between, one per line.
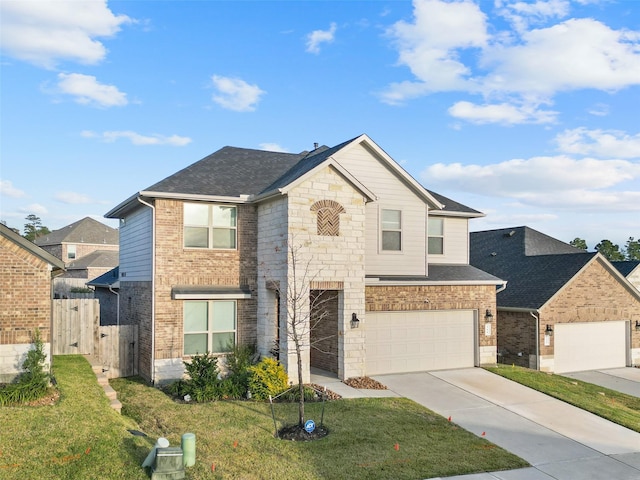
pixel 86 230
pixel 535 266
pixel 452 207
pixel 243 175
pixel 32 248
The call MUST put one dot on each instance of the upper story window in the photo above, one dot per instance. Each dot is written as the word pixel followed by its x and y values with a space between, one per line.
pixel 328 213
pixel 391 230
pixel 209 326
pixel 71 252
pixel 210 226
pixel 436 236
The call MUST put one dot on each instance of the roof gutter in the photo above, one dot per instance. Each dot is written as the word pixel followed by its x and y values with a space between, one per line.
pixel 537 318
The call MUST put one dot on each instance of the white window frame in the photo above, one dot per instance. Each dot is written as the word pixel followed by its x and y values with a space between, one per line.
pixel 211 226
pixel 383 230
pixel 211 330
pixel 430 235
pixel 71 252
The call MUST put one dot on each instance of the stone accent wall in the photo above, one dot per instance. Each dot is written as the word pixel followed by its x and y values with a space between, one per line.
pixel 438 297
pixel 25 305
pixel 594 295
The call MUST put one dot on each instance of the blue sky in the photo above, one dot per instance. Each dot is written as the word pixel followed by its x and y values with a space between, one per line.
pixel 525 110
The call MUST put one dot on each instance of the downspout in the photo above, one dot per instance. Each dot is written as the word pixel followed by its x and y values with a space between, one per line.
pixel 153 288
pixel 117 304
pixel 537 338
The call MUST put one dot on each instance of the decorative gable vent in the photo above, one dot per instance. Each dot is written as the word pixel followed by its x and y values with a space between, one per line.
pixel 328 213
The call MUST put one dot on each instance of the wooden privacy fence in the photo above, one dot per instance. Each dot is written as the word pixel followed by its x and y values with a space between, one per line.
pixel 77 330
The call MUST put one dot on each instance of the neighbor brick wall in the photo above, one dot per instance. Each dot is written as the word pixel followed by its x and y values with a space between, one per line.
pixel 440 297
pixel 25 295
pixel 594 295
pixel 176 265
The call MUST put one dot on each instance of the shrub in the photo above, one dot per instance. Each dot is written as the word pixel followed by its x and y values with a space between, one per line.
pixel 268 377
pixel 238 362
pixel 33 382
pixel 203 383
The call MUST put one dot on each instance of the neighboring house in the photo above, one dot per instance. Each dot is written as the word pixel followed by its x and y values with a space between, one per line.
pixel 563 309
pixel 105 289
pixel 630 270
pixel 89 248
pixel 26 273
pixel 205 252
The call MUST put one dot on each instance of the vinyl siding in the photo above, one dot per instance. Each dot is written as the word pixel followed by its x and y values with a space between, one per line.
pixel 456 242
pixel 136 246
pixel 392 194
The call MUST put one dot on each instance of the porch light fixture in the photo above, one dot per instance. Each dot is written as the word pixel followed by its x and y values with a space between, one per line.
pixel 355 321
pixel 637 324
pixel 488 316
pixel 548 330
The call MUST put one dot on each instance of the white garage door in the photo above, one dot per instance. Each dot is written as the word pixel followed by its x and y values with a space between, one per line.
pixel 416 341
pixel 589 346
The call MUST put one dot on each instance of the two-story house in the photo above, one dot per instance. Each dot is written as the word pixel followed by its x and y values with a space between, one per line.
pixel 211 254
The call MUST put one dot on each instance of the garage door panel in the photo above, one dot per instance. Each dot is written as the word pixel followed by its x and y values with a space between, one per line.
pixel 418 341
pixel 589 346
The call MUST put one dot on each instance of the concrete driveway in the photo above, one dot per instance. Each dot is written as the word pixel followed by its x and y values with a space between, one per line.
pixel 625 380
pixel 561 442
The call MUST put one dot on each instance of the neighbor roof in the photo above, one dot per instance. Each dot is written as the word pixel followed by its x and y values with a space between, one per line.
pixel 32 248
pixel 95 259
pixel 535 265
pixel 86 230
pixel 625 268
pixel 107 279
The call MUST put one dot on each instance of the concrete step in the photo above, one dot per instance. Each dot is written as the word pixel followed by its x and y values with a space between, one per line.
pixel 110 392
pixel 116 405
pixel 102 379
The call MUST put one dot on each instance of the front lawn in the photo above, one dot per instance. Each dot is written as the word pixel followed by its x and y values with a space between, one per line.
pixel 617 407
pixel 369 439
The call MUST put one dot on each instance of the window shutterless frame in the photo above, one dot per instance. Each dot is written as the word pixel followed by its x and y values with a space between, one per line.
pixel 209 326
pixel 390 230
pixel 210 226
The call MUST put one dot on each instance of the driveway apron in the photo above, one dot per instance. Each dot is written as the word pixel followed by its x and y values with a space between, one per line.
pixel 625 380
pixel 560 441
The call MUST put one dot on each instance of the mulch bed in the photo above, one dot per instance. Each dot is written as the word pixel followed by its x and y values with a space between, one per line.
pixel 364 383
pixel 296 433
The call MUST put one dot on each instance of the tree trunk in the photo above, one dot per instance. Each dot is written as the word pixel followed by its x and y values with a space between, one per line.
pixel 300 387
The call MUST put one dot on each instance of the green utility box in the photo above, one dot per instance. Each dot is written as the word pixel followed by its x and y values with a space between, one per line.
pixel 168 464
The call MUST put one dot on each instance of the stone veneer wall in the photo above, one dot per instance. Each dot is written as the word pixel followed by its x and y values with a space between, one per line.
pixel 440 297
pixel 25 305
pixel 593 296
pixel 176 265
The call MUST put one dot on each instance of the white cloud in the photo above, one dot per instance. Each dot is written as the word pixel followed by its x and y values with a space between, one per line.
pixel 236 94
pixel 34 208
pixel 138 139
pixel 88 91
pixel 599 143
pixel 72 198
pixel 559 182
pixel 273 147
pixel 318 37
pixel 451 47
pixel 46 32
pixel 503 113
pixel 7 189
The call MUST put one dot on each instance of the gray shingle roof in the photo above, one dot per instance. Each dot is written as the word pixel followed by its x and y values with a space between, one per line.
pixel 535 265
pixel 447 273
pixel 86 230
pixel 625 268
pixel 95 259
pixel 452 205
pixel 107 279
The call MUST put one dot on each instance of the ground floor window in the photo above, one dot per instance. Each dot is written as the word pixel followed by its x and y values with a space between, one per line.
pixel 209 326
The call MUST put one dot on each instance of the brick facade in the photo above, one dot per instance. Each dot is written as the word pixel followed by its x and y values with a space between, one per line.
pixel 25 305
pixel 135 308
pixel 594 295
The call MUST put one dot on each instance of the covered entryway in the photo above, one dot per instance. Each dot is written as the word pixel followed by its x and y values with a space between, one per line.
pixel 589 346
pixel 323 331
pixel 419 340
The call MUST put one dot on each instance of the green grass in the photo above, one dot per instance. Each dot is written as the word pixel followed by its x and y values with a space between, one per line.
pixel 238 439
pixel 617 407
pixel 80 437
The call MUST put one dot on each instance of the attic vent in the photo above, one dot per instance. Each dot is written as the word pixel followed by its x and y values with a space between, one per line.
pixel 315 145
pixel 493 254
pixel 510 234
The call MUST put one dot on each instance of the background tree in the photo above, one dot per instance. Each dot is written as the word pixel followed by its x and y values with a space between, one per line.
pixel 3 222
pixel 610 251
pixel 579 243
pixel 34 228
pixel 632 248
